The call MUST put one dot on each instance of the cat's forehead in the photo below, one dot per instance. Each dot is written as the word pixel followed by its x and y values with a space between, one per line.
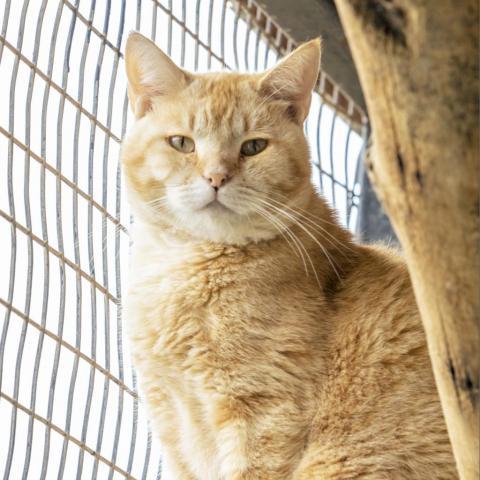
pixel 224 101
pixel 226 86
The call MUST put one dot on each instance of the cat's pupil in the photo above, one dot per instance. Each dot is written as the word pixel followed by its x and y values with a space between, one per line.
pixel 252 147
pixel 182 144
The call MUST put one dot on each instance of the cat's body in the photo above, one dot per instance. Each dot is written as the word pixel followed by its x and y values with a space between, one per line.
pixel 245 363
pixel 267 355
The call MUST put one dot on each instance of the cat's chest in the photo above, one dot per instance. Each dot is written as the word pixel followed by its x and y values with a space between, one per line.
pixel 175 287
pixel 182 310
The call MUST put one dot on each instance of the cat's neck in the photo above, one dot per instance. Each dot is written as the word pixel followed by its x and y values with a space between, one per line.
pixel 322 246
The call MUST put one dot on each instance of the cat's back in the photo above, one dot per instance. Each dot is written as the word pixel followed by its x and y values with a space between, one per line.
pixel 379 413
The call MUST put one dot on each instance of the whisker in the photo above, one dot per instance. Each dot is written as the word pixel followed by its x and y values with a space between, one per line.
pixel 307 231
pixel 279 225
pixel 332 241
pixel 321 230
pixel 286 199
pixel 298 243
pixel 160 201
pixel 284 229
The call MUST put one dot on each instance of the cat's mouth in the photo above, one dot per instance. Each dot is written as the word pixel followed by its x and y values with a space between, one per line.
pixel 215 204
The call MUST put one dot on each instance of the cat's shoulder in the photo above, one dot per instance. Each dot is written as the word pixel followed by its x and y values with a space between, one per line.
pixel 379 263
pixel 378 284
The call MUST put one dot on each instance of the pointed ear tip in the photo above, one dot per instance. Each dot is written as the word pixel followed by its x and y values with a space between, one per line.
pixel 132 38
pixel 315 43
pixel 314 49
pixel 135 37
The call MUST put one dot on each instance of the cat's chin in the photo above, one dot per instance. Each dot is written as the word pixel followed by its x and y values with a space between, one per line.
pixel 218 223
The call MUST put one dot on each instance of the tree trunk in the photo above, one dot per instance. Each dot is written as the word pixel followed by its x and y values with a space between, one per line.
pixel 418 65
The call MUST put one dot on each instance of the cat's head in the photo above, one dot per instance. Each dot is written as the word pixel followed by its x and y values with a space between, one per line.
pixel 214 155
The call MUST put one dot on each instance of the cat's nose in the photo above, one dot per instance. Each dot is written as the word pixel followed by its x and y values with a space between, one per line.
pixel 216 180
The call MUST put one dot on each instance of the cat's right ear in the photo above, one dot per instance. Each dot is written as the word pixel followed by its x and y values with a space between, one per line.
pixel 150 73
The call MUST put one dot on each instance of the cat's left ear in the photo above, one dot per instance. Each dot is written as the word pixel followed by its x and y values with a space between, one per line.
pixel 150 73
pixel 294 78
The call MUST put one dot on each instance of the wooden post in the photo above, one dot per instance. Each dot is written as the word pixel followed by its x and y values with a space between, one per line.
pixel 418 65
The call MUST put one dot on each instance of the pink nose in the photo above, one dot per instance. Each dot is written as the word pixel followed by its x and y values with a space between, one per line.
pixel 216 180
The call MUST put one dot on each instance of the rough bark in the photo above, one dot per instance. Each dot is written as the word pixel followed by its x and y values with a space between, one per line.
pixel 418 65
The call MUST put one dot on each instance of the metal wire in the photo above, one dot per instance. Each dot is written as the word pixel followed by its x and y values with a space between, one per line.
pixel 13 419
pixel 64 221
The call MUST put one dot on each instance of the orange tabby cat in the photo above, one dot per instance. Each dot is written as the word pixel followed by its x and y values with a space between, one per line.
pixel 268 344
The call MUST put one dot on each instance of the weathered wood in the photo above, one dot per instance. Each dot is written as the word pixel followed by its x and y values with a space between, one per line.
pixel 418 65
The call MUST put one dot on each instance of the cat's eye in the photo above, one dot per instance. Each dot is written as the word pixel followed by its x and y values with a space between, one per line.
pixel 254 146
pixel 181 143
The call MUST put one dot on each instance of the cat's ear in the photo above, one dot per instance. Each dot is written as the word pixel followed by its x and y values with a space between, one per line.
pixel 294 78
pixel 150 73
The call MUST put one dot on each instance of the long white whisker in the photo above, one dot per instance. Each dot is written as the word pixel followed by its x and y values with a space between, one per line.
pixel 286 199
pixel 323 231
pixel 160 201
pixel 246 194
pixel 307 231
pixel 299 243
pixel 283 229
pixel 332 241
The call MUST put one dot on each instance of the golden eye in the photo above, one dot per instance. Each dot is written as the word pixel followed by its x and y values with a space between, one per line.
pixel 252 147
pixel 182 144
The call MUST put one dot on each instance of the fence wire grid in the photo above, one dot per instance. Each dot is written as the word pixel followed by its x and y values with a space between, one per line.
pixel 69 406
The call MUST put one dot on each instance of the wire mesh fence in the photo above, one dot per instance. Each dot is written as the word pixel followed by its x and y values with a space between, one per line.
pixel 69 406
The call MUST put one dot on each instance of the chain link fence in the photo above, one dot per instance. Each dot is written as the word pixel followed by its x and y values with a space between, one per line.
pixel 69 406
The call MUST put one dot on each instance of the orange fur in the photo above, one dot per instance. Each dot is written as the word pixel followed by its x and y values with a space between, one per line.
pixel 268 344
